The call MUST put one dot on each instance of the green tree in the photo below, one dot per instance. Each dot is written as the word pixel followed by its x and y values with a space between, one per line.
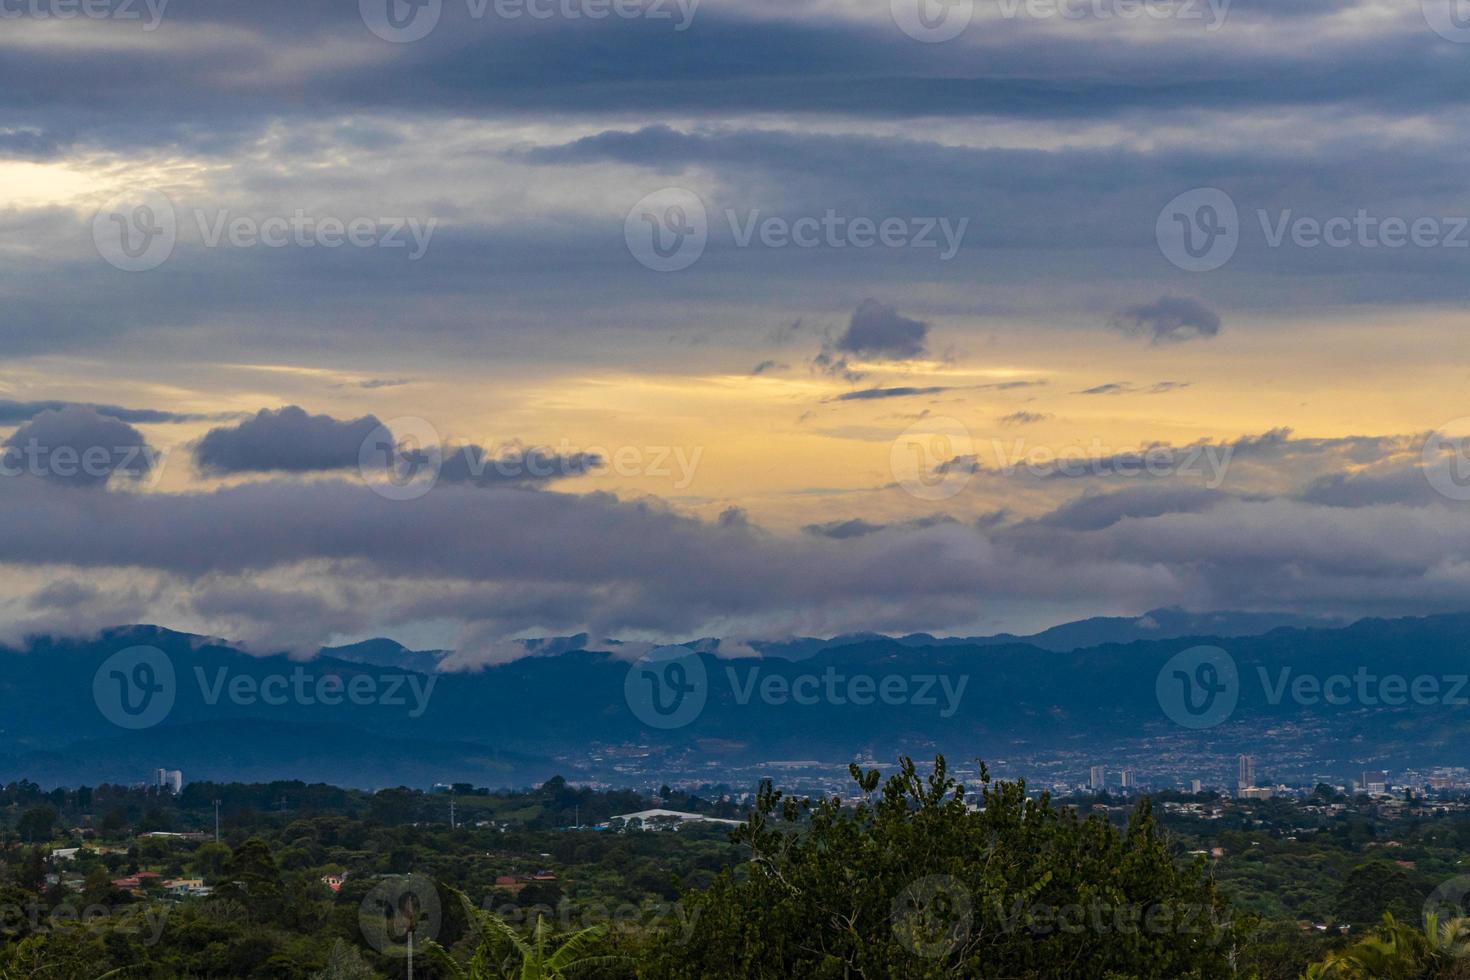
pixel 917 883
pixel 1397 951
pixel 37 824
pixel 503 954
pixel 252 878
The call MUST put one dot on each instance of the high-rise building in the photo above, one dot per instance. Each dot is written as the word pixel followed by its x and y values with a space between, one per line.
pixel 1097 778
pixel 1246 776
pixel 169 779
pixel 1127 777
pixel 1195 786
pixel 1375 781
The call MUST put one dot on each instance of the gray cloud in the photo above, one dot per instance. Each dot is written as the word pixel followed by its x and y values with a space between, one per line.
pixel 872 394
pixel 16 412
pixel 78 447
pixel 517 466
pixel 285 440
pixel 875 331
pixel 1168 319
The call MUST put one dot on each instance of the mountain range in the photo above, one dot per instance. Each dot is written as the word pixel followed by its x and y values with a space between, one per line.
pixel 375 714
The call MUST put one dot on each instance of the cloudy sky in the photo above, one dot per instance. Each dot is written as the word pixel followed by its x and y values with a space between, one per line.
pixel 465 320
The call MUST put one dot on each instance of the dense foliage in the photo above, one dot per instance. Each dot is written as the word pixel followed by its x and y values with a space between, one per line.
pixel 912 876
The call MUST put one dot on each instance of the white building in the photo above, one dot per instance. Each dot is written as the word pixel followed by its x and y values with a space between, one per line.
pixel 169 779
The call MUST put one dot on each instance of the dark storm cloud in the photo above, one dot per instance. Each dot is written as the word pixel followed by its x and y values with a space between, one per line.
pixel 1129 388
pixel 873 394
pixel 1168 319
pixel 1023 418
pixel 286 440
pixel 877 330
pixel 14 412
pixel 504 560
pixel 76 446
pixel 1094 511
pixel 517 466
pixel 842 530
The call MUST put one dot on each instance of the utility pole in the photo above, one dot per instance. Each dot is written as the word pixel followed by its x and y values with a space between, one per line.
pixel 216 821
pixel 451 815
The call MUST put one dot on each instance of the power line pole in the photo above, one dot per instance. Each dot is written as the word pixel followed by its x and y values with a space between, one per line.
pixel 216 821
pixel 451 815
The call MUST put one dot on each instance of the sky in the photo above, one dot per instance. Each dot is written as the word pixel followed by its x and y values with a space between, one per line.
pixel 461 321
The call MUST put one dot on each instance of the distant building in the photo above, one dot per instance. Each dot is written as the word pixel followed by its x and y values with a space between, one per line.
pixel 192 887
pixel 1375 782
pixel 667 819
pixel 169 779
pixel 1127 777
pixel 1246 773
pixel 1097 778
pixel 1195 786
